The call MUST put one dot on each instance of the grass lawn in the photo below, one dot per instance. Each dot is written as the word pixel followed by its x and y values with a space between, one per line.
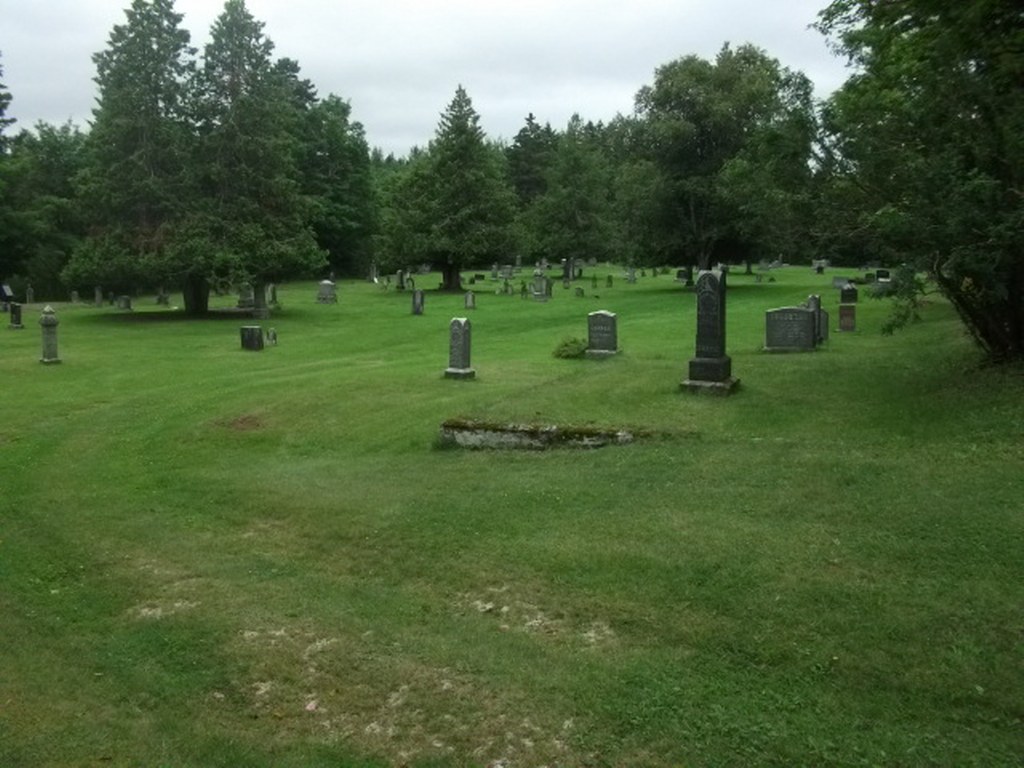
pixel 213 557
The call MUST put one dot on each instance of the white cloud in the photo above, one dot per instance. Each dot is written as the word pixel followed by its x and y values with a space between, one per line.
pixel 398 61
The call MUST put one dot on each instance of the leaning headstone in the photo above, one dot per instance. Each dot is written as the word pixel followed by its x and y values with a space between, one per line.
pixel 124 302
pixel 49 323
pixel 711 369
pixel 847 317
pixel 790 329
pixel 74 297
pixel 30 294
pixel 602 334
pixel 470 300
pixel 327 293
pixel 252 337
pixel 458 350
pixel 417 302
pixel 98 296
pixel 848 294
pixel 15 309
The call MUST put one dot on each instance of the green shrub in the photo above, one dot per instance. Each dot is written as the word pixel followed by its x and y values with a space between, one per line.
pixel 570 348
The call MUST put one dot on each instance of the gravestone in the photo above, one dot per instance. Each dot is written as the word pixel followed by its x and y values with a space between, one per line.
pixel 49 323
pixel 848 294
pixel 74 297
pixel 840 282
pixel 30 294
pixel 711 369
pixel 549 287
pixel 681 275
pixel 272 337
pixel 400 280
pixel 608 282
pixel 458 350
pixel 814 304
pixel 602 334
pixel 124 302
pixel 98 296
pixel 539 287
pixel 111 298
pixel 470 300
pixel 260 310
pixel 246 298
pixel 519 261
pixel 327 293
pixel 689 276
pixel 417 302
pixel 847 317
pixel 883 275
pixel 494 271
pixel 790 329
pixel 631 276
pixel 15 310
pixel 252 337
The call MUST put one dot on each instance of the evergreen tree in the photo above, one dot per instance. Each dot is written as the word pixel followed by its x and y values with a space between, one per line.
pixel 135 182
pixel 249 221
pixel 571 219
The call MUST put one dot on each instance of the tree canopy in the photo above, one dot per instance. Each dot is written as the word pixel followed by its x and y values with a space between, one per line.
pixel 927 146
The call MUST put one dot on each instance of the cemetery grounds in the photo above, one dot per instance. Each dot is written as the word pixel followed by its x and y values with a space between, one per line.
pixel 214 557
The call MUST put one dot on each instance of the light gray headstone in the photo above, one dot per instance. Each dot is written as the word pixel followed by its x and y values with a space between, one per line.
pixel 470 300
pixel 417 302
pixel 459 366
pixel 49 322
pixel 327 292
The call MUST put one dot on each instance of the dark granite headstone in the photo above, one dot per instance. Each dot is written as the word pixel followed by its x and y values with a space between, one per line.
pixel 252 337
pixel 790 329
pixel 711 369
pixel 848 294
pixel 15 310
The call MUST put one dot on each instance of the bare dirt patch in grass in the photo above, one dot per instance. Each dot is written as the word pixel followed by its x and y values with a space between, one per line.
pixel 246 422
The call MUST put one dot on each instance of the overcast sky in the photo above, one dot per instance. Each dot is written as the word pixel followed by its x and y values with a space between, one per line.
pixel 398 62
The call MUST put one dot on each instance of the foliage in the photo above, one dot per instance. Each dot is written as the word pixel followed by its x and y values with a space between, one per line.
pixel 44 223
pixel 135 181
pixel 453 205
pixel 927 145
pixel 250 219
pixel 700 116
pixel 570 348
pixel 570 220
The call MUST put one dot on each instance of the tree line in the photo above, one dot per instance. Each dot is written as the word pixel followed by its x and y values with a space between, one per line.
pixel 205 171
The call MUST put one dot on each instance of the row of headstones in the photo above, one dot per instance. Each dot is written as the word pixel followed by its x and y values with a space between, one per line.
pixel 803 328
pixel 602 342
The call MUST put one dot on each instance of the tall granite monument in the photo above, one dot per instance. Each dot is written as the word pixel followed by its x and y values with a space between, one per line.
pixel 711 370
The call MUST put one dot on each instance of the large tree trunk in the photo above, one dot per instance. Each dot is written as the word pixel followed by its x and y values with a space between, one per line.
pixel 450 278
pixel 196 293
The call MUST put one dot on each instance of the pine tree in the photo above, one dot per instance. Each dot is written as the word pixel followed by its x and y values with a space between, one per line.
pixel 135 181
